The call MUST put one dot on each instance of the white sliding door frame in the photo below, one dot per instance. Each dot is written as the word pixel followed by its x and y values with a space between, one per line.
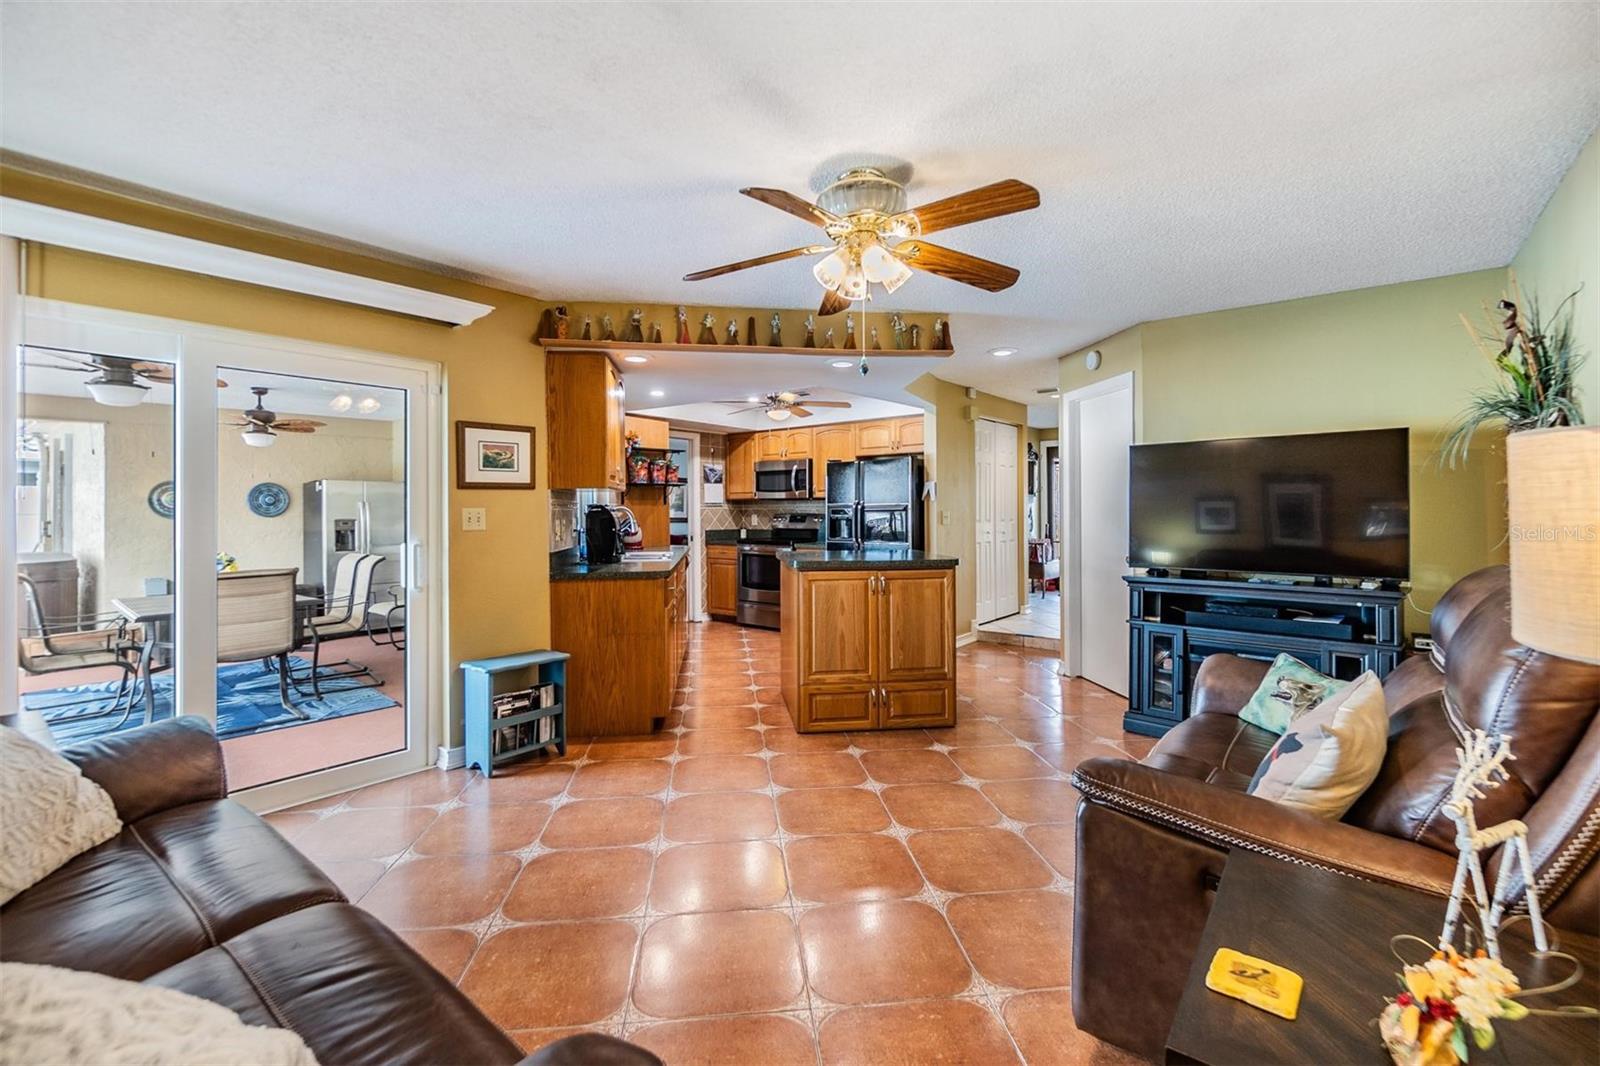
pixel 1069 535
pixel 197 351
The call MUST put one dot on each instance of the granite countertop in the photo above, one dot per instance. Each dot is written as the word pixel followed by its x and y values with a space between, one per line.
pixel 748 536
pixel 870 559
pixel 566 566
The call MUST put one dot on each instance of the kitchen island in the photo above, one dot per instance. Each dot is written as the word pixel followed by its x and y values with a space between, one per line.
pixel 868 639
pixel 626 627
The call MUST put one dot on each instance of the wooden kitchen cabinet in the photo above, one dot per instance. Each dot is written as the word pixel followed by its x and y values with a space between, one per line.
pixel 653 432
pixel 739 472
pixel 797 444
pixel 769 445
pixel 868 649
pixel 890 436
pixel 722 580
pixel 830 443
pixel 585 421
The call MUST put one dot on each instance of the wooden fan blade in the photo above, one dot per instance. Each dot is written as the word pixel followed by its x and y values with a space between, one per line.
pixel 789 202
pixel 161 373
pixel 775 257
pixel 827 403
pixel 798 410
pixel 832 303
pixel 1002 198
pixel 297 425
pixel 957 266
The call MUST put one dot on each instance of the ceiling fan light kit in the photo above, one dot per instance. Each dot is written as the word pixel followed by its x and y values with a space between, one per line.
pixel 116 393
pixel 876 240
pixel 259 438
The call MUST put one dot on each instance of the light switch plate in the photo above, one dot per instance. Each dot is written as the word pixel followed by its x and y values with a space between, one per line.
pixel 474 518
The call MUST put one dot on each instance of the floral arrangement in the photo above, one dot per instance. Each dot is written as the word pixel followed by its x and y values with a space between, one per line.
pixel 226 564
pixel 1443 1002
pixel 631 440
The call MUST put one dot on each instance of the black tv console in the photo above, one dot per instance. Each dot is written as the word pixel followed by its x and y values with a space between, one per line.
pixel 1339 631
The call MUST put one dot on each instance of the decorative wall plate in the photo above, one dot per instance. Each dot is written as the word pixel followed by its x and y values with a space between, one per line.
pixel 268 499
pixel 163 499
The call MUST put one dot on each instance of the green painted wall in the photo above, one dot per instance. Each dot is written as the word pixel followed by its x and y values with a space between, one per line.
pixel 1562 253
pixel 1371 358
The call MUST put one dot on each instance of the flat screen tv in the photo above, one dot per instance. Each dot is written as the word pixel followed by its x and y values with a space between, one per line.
pixel 1319 504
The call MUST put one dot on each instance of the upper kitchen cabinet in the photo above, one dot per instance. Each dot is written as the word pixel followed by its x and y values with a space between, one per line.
pixel 739 478
pixel 889 436
pixel 784 444
pixel 586 422
pixel 653 432
pixel 829 443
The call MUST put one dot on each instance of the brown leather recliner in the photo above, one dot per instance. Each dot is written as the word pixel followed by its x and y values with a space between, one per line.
pixel 198 894
pixel 1153 836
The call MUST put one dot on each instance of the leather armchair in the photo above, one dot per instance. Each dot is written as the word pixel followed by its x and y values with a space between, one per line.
pixel 1153 837
pixel 197 893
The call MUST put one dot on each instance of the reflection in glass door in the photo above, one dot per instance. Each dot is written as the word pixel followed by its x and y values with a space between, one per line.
pixel 311 573
pixel 94 508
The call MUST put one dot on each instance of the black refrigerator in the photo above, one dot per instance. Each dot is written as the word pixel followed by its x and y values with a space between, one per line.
pixel 875 503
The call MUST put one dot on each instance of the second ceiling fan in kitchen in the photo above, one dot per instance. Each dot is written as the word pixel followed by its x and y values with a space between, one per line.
pixel 780 405
pixel 877 240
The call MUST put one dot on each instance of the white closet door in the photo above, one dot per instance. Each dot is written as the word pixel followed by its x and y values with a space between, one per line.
pixel 983 518
pixel 1007 520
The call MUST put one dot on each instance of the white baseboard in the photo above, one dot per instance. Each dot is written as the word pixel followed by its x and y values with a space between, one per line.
pixel 969 637
pixel 451 758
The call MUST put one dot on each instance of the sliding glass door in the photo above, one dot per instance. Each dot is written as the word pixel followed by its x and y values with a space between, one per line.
pixel 231 526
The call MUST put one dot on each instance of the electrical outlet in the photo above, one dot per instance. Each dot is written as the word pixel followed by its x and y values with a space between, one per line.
pixel 474 518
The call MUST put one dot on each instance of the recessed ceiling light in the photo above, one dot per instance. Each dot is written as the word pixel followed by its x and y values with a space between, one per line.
pixel 752 399
pixel 368 405
pixel 636 358
pixel 657 393
pixel 841 364
pixel 341 402
pixel 1001 353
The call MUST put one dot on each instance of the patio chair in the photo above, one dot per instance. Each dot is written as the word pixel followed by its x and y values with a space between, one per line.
pixel 51 646
pixel 390 613
pixel 344 614
pixel 256 620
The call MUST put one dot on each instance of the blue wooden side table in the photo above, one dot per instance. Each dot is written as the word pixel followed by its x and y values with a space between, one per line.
pixel 485 679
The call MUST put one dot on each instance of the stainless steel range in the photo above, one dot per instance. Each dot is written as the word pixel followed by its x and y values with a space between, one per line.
pixel 758 564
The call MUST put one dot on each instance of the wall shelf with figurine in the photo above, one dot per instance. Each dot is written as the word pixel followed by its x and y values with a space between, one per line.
pixel 568 344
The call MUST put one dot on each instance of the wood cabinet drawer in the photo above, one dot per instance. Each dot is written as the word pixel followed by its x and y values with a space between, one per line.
pixel 833 709
pixel 903 706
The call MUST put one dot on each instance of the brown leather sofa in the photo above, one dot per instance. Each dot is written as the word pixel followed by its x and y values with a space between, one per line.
pixel 197 893
pixel 1153 837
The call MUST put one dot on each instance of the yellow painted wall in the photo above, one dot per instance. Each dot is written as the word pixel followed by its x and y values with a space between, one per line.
pixel 1371 358
pixel 499 578
pixel 952 463
pixel 1562 253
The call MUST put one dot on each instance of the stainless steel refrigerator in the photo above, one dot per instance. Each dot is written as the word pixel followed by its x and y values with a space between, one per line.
pixel 875 503
pixel 354 516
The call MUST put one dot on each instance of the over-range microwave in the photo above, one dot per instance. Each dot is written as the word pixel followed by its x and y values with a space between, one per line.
pixel 783 479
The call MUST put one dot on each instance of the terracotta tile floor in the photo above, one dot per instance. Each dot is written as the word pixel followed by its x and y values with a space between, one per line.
pixel 729 891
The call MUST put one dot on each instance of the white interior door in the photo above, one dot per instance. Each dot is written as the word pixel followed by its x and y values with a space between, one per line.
pixel 1098 428
pixel 1007 521
pixel 984 519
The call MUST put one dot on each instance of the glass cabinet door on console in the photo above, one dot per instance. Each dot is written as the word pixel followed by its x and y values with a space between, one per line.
pixel 1162 660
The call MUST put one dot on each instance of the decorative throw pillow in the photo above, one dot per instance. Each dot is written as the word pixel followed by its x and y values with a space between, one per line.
pixel 1331 754
pixel 1290 689
pixel 88 1019
pixel 50 812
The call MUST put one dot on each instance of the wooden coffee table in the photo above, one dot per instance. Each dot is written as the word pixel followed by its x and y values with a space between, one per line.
pixel 1334 932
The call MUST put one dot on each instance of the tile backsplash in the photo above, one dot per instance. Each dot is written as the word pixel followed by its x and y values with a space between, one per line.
pixel 753 514
pixel 566 514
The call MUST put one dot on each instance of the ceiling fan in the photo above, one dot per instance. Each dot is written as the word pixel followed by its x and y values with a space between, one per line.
pixel 261 426
pixel 876 240
pixel 114 380
pixel 780 405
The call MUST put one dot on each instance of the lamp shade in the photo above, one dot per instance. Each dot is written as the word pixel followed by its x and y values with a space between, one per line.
pixel 1553 494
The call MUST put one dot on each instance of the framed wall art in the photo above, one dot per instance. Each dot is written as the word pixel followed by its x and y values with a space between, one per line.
pixel 490 455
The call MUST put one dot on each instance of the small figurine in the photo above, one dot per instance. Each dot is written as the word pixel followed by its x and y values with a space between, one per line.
pixel 811 332
pixel 588 328
pixel 750 331
pixel 916 337
pixel 733 331
pixel 608 332
pixel 897 325
pixel 873 334
pixel 635 330
pixel 655 333
pixel 777 330
pixel 941 336
pixel 561 321
pixel 827 339
pixel 849 331
pixel 708 329
pixel 683 325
